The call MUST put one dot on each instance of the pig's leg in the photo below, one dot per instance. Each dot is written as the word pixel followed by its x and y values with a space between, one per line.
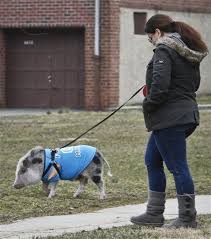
pixel 52 187
pixel 45 188
pixel 98 180
pixel 83 182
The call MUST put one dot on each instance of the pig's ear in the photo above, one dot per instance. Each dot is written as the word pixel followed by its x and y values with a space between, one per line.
pixel 32 153
pixel 26 163
pixel 36 160
pixel 36 150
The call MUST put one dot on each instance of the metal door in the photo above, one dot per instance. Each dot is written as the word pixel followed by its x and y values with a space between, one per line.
pixel 45 68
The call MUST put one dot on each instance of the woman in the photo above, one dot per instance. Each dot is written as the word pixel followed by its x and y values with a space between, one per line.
pixel 171 113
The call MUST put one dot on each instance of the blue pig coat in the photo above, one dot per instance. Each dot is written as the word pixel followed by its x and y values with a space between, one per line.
pixel 71 160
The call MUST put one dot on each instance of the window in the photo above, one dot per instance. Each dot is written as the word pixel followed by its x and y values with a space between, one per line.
pixel 139 22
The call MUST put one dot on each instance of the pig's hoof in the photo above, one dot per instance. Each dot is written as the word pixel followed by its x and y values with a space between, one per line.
pixel 51 195
pixel 76 195
pixel 46 192
pixel 103 196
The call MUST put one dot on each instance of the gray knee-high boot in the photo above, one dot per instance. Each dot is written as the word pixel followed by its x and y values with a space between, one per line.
pixel 187 212
pixel 154 213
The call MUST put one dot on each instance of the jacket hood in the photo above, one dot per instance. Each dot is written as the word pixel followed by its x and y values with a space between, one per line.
pixel 174 41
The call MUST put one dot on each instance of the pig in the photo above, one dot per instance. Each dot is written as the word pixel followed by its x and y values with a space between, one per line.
pixel 80 162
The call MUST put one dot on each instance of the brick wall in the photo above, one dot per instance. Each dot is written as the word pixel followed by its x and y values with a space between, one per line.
pixel 101 73
pixel 110 28
pixel 16 13
pixel 201 6
pixel 2 70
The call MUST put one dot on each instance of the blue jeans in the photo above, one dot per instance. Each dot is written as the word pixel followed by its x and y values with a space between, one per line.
pixel 169 146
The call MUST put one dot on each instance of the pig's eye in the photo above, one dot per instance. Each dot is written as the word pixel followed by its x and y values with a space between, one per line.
pixel 23 170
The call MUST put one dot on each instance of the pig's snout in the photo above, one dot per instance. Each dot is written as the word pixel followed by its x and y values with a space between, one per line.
pixel 18 185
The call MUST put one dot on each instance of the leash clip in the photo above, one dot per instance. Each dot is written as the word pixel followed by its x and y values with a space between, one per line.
pixel 53 152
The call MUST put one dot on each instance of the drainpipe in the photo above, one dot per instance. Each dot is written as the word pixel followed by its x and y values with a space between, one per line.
pixel 97 27
pixel 97 55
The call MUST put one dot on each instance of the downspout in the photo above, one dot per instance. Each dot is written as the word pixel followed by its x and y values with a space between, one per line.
pixel 97 27
pixel 97 54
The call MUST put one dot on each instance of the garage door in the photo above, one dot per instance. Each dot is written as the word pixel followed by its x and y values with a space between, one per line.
pixel 45 68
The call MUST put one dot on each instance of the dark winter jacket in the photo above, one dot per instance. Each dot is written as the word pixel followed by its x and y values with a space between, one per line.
pixel 172 78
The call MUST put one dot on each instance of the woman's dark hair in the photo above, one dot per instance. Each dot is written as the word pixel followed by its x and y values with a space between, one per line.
pixel 189 35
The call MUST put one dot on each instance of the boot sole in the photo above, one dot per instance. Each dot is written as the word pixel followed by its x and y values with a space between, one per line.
pixel 147 224
pixel 169 226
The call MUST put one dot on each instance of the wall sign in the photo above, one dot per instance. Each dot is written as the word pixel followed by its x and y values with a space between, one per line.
pixel 28 42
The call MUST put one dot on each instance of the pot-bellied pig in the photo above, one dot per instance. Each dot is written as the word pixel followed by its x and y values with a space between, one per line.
pixel 80 162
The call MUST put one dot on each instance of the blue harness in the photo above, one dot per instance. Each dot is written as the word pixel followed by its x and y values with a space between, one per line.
pixel 71 160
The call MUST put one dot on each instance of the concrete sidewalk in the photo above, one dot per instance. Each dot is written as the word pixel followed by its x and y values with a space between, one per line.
pixel 17 112
pixel 106 218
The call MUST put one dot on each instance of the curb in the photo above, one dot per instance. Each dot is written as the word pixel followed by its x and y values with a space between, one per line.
pixel 16 112
pixel 139 107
